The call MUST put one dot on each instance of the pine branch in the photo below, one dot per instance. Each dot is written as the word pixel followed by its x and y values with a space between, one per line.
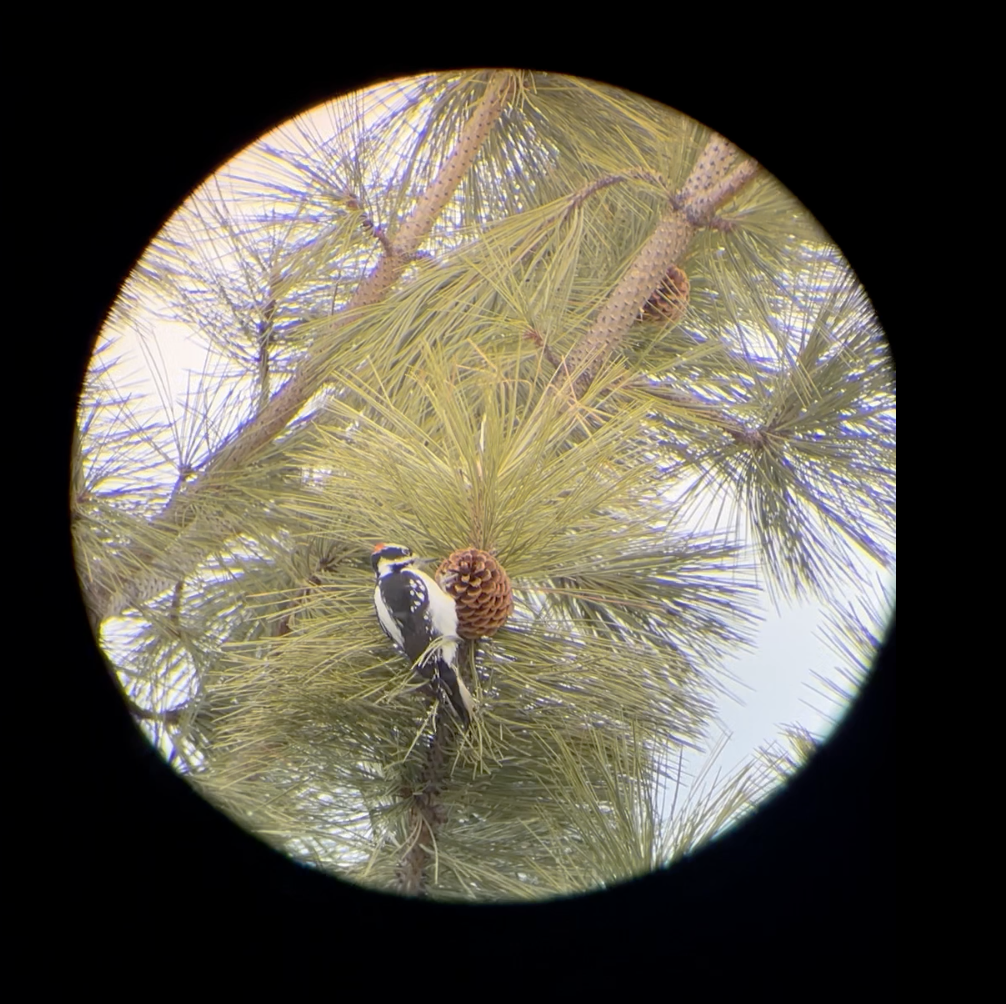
pixel 426 815
pixel 106 598
pixel 710 183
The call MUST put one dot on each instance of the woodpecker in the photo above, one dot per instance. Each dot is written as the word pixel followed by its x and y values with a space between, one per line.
pixel 420 618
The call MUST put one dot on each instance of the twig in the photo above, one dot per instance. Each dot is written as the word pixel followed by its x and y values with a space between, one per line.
pixel 580 197
pixel 284 624
pixel 170 717
pixel 707 411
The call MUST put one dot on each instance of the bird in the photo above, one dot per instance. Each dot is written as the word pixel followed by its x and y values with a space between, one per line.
pixel 422 621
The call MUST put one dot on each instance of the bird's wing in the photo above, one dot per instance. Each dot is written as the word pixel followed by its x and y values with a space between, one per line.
pixel 407 603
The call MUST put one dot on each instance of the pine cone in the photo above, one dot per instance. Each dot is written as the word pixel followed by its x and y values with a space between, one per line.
pixel 481 590
pixel 670 298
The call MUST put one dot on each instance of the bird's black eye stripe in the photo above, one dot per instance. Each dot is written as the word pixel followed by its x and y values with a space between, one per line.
pixel 389 552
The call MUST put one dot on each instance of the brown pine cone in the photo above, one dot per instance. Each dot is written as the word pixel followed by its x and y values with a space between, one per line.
pixel 481 590
pixel 670 299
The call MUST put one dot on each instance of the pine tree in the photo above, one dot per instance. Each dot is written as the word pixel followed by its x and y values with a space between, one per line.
pixel 523 313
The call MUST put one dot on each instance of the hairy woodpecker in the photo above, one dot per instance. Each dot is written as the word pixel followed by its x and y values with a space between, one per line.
pixel 415 613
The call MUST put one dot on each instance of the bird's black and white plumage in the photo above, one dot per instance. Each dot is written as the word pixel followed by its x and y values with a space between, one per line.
pixel 421 619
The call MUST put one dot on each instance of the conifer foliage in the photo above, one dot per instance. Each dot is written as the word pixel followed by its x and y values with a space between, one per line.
pixel 519 313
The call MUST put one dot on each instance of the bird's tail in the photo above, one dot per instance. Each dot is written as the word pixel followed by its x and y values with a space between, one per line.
pixel 458 694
